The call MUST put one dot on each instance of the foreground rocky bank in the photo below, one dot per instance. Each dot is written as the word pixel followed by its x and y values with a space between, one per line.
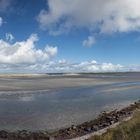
pixel 104 120
pixel 125 130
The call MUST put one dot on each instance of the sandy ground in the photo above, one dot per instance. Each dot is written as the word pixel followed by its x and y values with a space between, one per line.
pixel 63 109
pixel 45 82
pixel 122 88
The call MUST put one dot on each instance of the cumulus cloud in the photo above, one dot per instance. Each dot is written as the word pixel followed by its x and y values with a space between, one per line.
pixel 62 62
pixel 93 66
pixel 63 66
pixel 1 21
pixel 106 15
pixel 90 41
pixel 9 37
pixel 50 50
pixel 86 66
pixel 25 52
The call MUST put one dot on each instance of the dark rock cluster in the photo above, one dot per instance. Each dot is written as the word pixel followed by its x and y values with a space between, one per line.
pixel 23 135
pixel 104 120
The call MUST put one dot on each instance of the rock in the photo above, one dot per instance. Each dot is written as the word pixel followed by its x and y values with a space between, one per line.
pixel 69 129
pixel 108 118
pixel 112 122
pixel 51 138
pixel 88 129
pixel 23 134
pixel 3 134
pixel 73 127
pixel 95 128
pixel 100 126
pixel 105 124
pixel 130 113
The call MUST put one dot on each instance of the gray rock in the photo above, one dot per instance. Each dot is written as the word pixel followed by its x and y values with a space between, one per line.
pixel 88 129
pixel 3 134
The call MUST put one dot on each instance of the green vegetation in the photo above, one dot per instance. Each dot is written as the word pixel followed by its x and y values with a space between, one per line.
pixel 129 130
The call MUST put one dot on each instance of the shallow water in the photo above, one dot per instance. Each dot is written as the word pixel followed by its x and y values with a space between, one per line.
pixel 38 110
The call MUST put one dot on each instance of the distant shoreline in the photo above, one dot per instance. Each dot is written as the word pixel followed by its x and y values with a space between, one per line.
pixel 17 82
pixel 64 74
pixel 20 75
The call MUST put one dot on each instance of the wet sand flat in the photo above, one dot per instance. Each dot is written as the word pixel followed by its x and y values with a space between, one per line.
pixel 45 82
pixel 57 101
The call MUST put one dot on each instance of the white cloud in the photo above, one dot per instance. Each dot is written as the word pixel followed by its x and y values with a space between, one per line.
pixel 64 66
pixel 1 21
pixel 25 52
pixel 111 67
pixel 9 37
pixel 89 42
pixel 93 66
pixel 63 61
pixel 106 15
pixel 52 51
pixel 86 66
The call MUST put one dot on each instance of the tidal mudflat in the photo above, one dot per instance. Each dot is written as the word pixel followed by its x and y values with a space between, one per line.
pixel 57 101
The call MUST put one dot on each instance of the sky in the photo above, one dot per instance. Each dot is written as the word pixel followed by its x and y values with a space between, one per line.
pixel 43 36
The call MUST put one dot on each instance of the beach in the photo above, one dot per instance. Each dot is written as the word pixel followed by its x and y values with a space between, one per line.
pixel 17 82
pixel 56 101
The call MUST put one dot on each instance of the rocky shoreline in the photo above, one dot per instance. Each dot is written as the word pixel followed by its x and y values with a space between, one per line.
pixel 104 120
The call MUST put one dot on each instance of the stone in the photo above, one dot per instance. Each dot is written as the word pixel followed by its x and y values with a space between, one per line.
pixel 73 127
pixel 112 122
pixel 3 134
pixel 87 129
pixel 105 124
pixel 95 128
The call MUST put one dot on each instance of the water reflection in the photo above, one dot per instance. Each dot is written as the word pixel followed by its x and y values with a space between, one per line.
pixel 37 110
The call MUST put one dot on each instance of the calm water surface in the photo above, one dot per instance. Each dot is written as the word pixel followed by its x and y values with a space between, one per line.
pixel 64 107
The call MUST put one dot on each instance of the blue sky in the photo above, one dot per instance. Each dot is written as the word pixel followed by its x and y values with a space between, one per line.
pixel 61 35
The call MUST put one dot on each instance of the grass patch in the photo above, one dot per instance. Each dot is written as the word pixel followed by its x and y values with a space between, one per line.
pixel 129 130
